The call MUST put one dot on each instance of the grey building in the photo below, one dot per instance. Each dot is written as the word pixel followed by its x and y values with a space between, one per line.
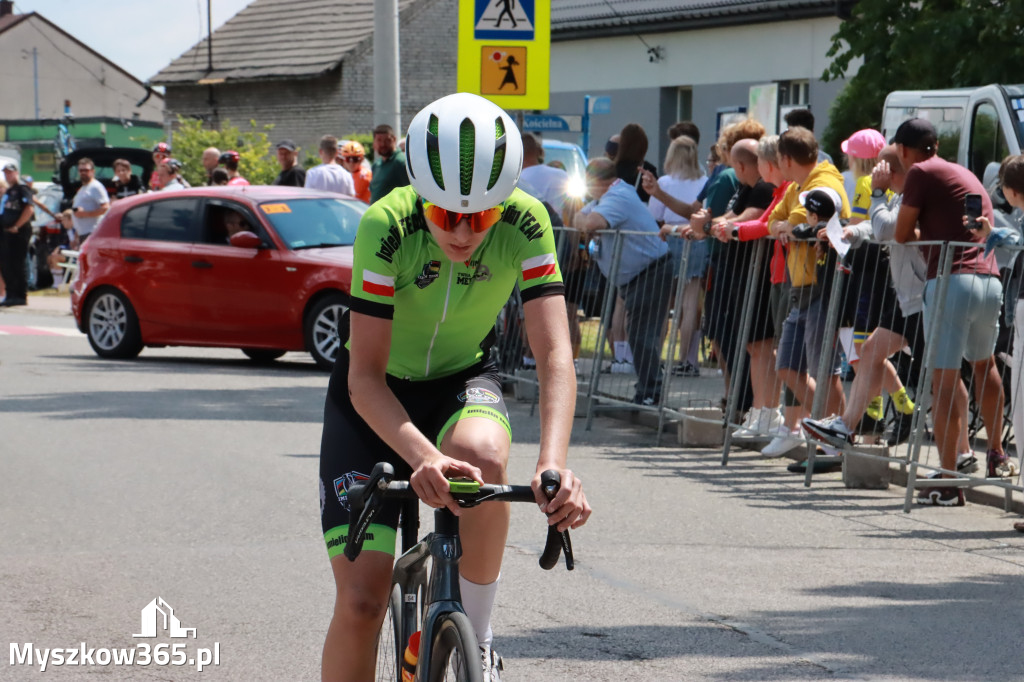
pixel 306 66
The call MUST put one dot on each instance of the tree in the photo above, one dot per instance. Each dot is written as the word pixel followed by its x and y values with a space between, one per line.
pixel 919 45
pixel 256 163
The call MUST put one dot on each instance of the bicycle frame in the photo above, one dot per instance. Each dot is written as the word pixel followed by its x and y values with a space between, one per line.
pixel 441 594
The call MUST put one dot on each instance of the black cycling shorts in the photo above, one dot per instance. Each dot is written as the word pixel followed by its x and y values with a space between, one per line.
pixel 349 448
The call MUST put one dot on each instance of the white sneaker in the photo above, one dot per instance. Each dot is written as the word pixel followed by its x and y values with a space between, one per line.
pixel 783 442
pixel 748 428
pixel 493 665
pixel 621 367
pixel 770 421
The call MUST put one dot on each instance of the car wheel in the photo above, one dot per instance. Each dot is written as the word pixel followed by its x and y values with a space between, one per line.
pixel 263 355
pixel 112 326
pixel 324 333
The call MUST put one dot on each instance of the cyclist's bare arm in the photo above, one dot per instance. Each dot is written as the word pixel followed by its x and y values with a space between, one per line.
pixel 378 406
pixel 548 331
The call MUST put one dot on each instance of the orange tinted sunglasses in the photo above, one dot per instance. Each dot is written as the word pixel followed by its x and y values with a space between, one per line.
pixel 447 220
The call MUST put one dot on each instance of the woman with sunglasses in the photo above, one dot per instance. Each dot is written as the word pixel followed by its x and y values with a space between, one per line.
pixel 352 157
pixel 434 264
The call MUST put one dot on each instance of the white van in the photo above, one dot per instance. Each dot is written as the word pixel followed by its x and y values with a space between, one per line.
pixel 977 127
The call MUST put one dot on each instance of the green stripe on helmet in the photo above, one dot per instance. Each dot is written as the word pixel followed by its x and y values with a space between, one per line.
pixel 433 153
pixel 467 148
pixel 499 152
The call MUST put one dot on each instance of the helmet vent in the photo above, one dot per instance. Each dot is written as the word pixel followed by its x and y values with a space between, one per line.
pixel 499 152
pixel 467 145
pixel 433 153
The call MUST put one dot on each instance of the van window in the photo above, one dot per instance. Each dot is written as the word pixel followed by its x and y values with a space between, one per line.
pixel 988 141
pixel 947 122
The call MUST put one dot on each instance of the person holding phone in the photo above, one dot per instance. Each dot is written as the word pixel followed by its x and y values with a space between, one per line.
pixel 935 196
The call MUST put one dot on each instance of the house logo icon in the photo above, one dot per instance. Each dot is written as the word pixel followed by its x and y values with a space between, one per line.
pixel 157 615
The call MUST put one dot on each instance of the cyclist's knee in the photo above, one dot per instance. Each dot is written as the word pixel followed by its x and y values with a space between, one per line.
pixel 486 449
pixel 362 588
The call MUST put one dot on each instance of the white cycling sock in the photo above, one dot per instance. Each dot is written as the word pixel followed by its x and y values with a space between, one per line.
pixel 478 600
pixel 621 351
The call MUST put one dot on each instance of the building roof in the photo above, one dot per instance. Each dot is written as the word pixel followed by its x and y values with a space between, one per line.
pixel 273 39
pixel 574 19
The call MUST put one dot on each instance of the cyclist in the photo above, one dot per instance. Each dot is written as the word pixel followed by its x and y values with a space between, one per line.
pixel 230 160
pixel 434 264
pixel 161 152
pixel 352 158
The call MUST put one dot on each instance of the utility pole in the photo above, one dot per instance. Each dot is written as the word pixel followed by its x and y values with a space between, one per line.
pixel 387 107
pixel 35 77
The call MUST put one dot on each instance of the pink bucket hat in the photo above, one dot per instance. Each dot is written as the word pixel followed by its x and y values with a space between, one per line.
pixel 864 144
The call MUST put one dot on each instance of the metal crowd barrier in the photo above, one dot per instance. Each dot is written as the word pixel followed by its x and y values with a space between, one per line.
pixel 733 296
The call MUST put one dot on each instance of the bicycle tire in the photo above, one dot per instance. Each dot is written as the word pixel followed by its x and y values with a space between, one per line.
pixel 454 653
pixel 390 647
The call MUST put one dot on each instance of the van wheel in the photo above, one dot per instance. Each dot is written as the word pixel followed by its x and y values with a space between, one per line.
pixel 324 329
pixel 263 356
pixel 112 326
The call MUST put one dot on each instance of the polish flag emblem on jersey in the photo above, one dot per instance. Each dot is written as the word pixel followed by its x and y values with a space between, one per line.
pixel 539 266
pixel 378 285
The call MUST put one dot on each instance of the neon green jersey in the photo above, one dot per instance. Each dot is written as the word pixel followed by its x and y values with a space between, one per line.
pixel 443 313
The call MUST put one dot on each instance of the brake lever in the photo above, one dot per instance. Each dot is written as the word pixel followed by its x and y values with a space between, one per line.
pixel 557 542
pixel 359 495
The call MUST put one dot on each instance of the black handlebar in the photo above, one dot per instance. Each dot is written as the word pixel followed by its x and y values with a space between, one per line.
pixel 366 498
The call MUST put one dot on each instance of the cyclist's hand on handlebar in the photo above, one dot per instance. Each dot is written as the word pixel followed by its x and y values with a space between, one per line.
pixel 430 481
pixel 569 508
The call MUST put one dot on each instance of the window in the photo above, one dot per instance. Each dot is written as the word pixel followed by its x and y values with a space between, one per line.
pixel 684 104
pixel 224 219
pixel 988 143
pixel 794 94
pixel 133 224
pixel 314 223
pixel 171 220
pixel 947 121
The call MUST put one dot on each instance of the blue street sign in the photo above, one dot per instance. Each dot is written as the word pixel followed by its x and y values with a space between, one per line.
pixel 551 123
pixel 601 105
pixel 504 20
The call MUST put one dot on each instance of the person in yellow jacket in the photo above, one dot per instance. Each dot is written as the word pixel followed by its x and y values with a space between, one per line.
pixel 802 339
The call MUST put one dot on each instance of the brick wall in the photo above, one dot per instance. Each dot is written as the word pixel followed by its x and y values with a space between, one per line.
pixel 341 101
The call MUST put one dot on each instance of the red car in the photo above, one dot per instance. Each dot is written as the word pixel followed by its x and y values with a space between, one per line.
pixel 263 269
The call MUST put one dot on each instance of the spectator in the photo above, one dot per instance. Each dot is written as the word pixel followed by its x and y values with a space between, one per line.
pixel 292 174
pixel 803 118
pixel 210 161
pixel 352 157
pixel 219 177
pixel 329 176
pixel 630 158
pixel 932 210
pixel 16 221
pixel 90 202
pixel 542 182
pixel 161 152
pixel 1011 180
pixel 644 277
pixel 611 147
pixel 126 183
pixel 230 160
pixel 687 128
pixel 683 180
pixel 899 325
pixel 864 292
pixel 388 169
pixel 802 340
pixel 169 175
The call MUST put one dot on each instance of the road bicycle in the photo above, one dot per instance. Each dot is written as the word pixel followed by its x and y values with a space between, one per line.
pixel 430 602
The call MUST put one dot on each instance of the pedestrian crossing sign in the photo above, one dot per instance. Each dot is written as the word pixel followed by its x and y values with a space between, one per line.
pixel 505 51
pixel 503 19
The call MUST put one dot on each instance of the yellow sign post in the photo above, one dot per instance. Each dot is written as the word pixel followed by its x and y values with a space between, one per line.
pixel 505 51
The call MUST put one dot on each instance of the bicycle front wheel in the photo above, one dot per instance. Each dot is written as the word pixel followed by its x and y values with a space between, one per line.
pixel 454 653
pixel 390 648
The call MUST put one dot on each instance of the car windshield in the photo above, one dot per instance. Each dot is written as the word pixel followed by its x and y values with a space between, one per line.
pixel 570 157
pixel 311 223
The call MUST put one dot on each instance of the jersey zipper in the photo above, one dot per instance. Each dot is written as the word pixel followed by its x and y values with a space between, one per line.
pixel 444 314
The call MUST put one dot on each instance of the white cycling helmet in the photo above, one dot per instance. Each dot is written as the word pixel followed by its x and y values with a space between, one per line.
pixel 463 153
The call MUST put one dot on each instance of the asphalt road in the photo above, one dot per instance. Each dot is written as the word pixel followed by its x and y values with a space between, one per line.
pixel 191 475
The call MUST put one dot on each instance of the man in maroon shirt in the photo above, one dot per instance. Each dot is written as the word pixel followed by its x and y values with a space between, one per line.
pixel 932 211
